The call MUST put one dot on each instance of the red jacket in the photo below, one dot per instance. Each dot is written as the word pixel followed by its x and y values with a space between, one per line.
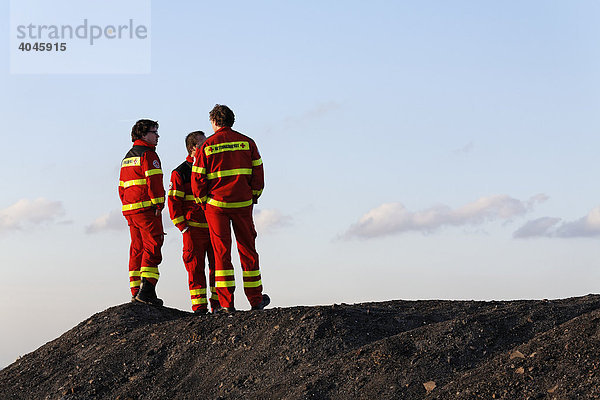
pixel 227 170
pixel 141 179
pixel 183 210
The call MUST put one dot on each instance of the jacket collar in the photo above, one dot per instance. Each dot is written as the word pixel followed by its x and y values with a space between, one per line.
pixel 141 142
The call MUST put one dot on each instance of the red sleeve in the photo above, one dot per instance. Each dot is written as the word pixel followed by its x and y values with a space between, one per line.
pixel 154 178
pixel 175 201
pixel 199 181
pixel 257 182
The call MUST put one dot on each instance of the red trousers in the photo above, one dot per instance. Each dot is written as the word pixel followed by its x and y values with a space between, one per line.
pixel 196 247
pixel 147 238
pixel 220 221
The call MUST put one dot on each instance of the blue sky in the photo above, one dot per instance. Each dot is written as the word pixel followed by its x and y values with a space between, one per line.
pixel 412 150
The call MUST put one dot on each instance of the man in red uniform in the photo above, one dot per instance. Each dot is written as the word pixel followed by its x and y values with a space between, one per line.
pixel 143 196
pixel 227 179
pixel 189 218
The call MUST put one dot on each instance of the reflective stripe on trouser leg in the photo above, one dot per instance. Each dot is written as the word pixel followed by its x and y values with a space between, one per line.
pixel 220 237
pixel 136 251
pixel 150 229
pixel 198 297
pixel 245 236
pixel 196 243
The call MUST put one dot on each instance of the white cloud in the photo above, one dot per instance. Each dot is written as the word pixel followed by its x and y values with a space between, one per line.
pixel 27 212
pixel 113 221
pixel 267 221
pixel 587 226
pixel 536 227
pixel 393 218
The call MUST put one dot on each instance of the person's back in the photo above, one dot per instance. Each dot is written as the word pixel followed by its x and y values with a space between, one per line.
pixel 227 179
pixel 231 162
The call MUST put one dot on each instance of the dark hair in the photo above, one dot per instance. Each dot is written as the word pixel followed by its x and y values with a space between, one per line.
pixel 141 128
pixel 192 139
pixel 222 115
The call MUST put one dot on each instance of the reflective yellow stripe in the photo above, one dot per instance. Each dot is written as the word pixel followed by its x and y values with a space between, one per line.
pixel 158 200
pixel 151 172
pixel 135 273
pixel 199 170
pixel 229 146
pixel 257 192
pixel 224 272
pixel 195 292
pixel 251 273
pixel 213 289
pixel 150 272
pixel 136 283
pixel 201 300
pixel 223 204
pixel 201 200
pixel 214 296
pixel 256 163
pixel 135 206
pixel 230 172
pixel 178 220
pixel 176 193
pixel 225 283
pixel 131 162
pixel 189 197
pixel 252 284
pixel 134 182
pixel 198 224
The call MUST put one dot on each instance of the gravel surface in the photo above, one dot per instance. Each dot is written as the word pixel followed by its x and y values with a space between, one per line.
pixel 390 350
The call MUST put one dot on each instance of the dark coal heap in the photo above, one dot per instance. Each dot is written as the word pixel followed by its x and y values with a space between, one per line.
pixel 389 350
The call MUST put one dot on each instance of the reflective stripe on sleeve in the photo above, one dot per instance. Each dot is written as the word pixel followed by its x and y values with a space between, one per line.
pixel 252 284
pixel 176 193
pixel 158 200
pixel 223 204
pixel 201 300
pixel 251 273
pixel 257 192
pixel 134 182
pixel 135 206
pixel 256 163
pixel 196 292
pixel 229 172
pixel 135 273
pixel 199 170
pixel 151 172
pixel 198 224
pixel 178 220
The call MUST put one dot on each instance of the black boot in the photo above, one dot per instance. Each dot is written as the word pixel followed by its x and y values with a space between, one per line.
pixel 147 294
pixel 265 302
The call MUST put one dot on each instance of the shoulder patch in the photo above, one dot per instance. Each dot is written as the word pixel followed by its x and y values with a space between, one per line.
pixel 156 164
pixel 170 185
